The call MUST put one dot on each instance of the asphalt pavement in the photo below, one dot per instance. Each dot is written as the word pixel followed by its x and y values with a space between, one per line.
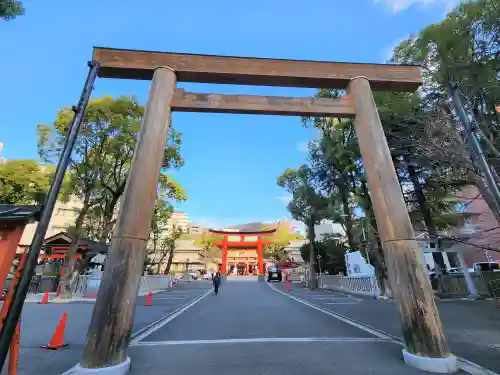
pixel 471 327
pixel 40 321
pixel 249 328
pixel 255 328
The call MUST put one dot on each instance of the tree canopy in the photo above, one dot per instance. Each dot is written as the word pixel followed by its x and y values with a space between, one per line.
pixel 10 9
pixel 426 139
pixel 26 182
pixel 100 163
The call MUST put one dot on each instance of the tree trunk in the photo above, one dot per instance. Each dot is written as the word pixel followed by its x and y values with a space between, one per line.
pixel 313 279
pixel 377 251
pixel 169 262
pixel 70 263
pixel 108 219
pixel 427 216
pixel 347 214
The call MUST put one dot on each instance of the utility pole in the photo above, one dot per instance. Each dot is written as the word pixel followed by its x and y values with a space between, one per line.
pixel 476 150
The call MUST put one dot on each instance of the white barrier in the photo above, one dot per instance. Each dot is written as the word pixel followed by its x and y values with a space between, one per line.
pixel 153 283
pixel 148 283
pixel 363 285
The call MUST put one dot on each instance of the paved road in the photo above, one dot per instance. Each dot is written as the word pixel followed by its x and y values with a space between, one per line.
pixel 40 321
pixel 251 329
pixel 471 327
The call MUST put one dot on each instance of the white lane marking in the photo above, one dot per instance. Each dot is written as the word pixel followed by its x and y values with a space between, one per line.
pixel 335 315
pixel 464 364
pixel 354 298
pixel 161 322
pixel 331 298
pixel 264 340
pixel 164 298
pixel 341 303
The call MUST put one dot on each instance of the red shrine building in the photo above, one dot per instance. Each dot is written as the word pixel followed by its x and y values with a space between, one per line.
pixel 242 251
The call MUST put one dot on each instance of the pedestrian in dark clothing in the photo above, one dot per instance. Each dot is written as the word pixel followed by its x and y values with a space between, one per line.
pixel 216 281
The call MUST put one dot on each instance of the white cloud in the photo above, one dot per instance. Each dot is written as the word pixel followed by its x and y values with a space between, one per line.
pixel 285 199
pixel 399 5
pixel 303 146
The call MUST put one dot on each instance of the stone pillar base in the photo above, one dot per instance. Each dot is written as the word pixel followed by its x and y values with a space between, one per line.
pixel 120 369
pixel 448 365
pixel 261 278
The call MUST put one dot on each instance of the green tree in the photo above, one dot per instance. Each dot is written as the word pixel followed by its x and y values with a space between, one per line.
pixel 99 164
pixel 169 244
pixel 279 239
pixel 209 250
pixel 10 9
pixel 157 251
pixel 332 255
pixel 463 48
pixel 306 206
pixel 24 181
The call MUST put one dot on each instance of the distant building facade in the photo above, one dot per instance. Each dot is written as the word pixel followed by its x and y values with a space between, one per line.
pixel 179 220
pixel 195 229
pixel 63 217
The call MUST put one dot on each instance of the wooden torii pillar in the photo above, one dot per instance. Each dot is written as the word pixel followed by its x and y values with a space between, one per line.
pixel 408 278
pixel 110 328
pixel 224 256
pixel 109 331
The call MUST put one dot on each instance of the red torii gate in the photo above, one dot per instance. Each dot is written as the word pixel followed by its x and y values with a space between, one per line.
pixel 243 239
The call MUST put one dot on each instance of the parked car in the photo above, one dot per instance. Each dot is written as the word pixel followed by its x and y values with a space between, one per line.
pixel 486 266
pixel 274 273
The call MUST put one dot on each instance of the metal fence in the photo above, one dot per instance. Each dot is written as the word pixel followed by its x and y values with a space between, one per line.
pixel 455 284
pixel 364 285
pixel 42 284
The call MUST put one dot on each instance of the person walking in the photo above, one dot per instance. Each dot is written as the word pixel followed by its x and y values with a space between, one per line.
pixel 216 282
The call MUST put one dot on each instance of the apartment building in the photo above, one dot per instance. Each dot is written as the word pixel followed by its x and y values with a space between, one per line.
pixel 63 217
pixel 178 220
pixel 195 229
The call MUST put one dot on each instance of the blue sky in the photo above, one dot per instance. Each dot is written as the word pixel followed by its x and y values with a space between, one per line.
pixel 232 161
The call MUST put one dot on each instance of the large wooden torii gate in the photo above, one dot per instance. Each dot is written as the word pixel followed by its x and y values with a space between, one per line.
pixel 110 329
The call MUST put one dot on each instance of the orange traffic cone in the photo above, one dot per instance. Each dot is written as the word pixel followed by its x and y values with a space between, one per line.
pixel 45 298
pixel 57 341
pixel 148 300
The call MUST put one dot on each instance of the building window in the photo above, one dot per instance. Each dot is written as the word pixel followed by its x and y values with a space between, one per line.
pixel 62 228
pixel 66 212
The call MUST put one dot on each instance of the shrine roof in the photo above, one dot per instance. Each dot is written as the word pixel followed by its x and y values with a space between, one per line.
pixel 241 231
pixel 20 212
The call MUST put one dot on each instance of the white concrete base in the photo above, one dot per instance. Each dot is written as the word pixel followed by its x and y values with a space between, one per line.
pixel 120 369
pixel 448 365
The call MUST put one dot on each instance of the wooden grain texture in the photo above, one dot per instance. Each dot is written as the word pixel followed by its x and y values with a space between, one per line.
pixel 110 328
pixel 133 64
pixel 422 330
pixel 261 105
